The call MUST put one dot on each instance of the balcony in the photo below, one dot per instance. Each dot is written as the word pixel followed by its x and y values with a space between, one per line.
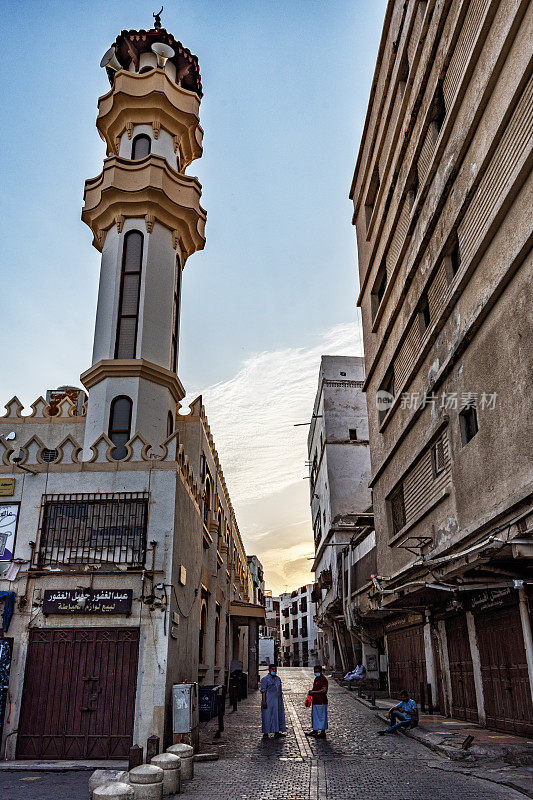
pixel 147 188
pixel 92 530
pixel 150 98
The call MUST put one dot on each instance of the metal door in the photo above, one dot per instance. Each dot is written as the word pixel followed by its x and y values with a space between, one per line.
pixel 506 689
pixel 463 701
pixel 78 699
pixel 407 661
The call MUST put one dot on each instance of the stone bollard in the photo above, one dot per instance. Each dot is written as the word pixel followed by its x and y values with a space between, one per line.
pixel 116 789
pixel 147 782
pixel 101 776
pixel 171 766
pixel 185 752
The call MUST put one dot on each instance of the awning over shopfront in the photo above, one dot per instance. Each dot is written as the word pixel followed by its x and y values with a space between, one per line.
pixel 242 612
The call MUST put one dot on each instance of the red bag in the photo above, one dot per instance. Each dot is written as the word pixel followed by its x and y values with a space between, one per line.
pixel 308 701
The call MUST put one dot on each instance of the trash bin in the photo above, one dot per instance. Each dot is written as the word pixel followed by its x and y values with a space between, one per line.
pixel 243 685
pixel 207 702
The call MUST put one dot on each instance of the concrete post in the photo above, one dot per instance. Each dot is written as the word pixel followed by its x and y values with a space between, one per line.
pixel 171 766
pixel 526 631
pixel 185 753
pixel 147 782
pixel 445 663
pixel 253 655
pixel 476 667
pixel 431 666
pixel 118 791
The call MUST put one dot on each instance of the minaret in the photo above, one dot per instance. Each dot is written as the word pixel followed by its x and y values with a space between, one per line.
pixel 146 219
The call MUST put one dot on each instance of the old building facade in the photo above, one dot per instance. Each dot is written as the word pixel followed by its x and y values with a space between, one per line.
pixel 442 207
pixel 298 627
pixel 339 472
pixel 123 569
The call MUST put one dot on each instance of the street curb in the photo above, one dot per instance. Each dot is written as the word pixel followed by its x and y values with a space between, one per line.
pixel 35 766
pixel 449 753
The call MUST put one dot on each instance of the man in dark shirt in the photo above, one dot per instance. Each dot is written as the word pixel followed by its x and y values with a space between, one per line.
pixel 319 708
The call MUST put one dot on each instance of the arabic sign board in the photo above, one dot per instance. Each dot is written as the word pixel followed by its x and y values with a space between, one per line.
pixel 7 487
pixel 87 601
pixel 412 618
pixel 492 598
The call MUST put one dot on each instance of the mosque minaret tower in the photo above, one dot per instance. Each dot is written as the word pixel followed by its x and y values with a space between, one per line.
pixel 146 219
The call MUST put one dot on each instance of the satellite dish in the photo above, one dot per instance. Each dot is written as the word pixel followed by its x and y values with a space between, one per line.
pixel 163 53
pixel 110 60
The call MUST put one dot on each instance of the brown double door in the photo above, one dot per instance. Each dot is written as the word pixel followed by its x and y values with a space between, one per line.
pixel 464 705
pixel 407 661
pixel 506 690
pixel 78 699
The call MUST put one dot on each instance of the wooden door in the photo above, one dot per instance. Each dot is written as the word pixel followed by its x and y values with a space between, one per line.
pixel 78 699
pixel 506 689
pixel 463 700
pixel 407 661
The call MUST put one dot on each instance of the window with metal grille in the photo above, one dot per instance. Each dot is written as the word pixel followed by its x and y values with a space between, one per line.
pixel 397 509
pixel 49 455
pixel 130 287
pixel 141 146
pixel 120 425
pixel 93 529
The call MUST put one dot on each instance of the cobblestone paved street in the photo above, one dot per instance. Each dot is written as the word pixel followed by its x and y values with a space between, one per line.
pixel 353 762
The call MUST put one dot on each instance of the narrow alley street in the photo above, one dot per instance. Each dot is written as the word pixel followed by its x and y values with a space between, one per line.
pixel 352 763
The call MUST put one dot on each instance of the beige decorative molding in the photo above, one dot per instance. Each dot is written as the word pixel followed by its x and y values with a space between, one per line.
pixel 139 99
pixel 156 127
pixel 176 144
pixel 137 188
pixel 119 219
pixel 149 220
pixel 134 368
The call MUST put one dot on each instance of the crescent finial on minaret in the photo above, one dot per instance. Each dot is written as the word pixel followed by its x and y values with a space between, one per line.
pixel 157 18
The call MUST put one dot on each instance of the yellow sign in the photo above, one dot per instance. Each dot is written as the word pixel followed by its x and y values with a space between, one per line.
pixel 7 487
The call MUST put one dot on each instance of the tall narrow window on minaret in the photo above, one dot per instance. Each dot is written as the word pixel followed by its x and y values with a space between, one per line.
pixel 120 425
pixel 176 318
pixel 130 285
pixel 140 147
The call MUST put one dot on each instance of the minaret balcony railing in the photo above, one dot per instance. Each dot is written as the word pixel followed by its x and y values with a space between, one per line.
pixel 151 98
pixel 149 189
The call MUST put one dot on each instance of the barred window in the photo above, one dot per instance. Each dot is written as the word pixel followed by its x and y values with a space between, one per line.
pixel 120 425
pixel 93 529
pixel 130 287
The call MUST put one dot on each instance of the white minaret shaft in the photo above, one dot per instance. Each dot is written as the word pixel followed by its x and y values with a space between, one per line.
pixel 146 219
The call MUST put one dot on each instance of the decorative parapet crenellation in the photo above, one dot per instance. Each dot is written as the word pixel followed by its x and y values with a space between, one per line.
pixel 197 409
pixel 35 454
pixel 41 410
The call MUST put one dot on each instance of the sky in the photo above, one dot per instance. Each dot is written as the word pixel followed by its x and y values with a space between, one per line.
pixel 286 85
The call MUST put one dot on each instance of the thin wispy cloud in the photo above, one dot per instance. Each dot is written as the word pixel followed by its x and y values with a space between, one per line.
pixel 252 417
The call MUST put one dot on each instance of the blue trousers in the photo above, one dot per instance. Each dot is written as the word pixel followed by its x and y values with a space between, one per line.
pixel 398 720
